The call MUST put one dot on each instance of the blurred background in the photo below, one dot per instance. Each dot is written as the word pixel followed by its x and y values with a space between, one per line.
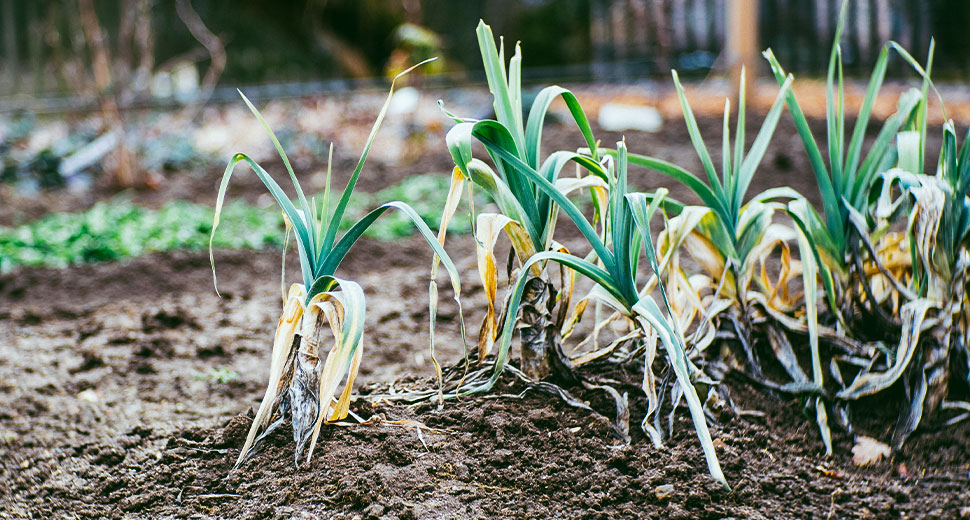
pixel 139 97
pixel 51 46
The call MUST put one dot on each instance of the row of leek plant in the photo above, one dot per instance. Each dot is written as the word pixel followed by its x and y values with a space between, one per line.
pixel 891 244
pixel 862 260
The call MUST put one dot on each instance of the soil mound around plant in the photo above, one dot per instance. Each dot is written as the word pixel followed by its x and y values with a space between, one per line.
pixel 126 391
pixel 499 457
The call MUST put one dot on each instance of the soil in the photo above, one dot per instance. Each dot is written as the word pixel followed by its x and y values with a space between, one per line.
pixel 106 413
pixel 109 407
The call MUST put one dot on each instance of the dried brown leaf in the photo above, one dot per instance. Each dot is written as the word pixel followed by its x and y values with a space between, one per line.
pixel 868 451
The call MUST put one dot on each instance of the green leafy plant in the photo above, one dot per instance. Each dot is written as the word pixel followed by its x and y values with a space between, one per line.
pixel 323 309
pixel 612 267
pixel 732 238
pixel 846 184
pixel 935 315
pixel 118 229
pixel 530 193
pixel 871 273
pixel 527 213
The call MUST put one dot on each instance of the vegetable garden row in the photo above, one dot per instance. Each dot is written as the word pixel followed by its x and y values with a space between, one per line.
pixel 860 297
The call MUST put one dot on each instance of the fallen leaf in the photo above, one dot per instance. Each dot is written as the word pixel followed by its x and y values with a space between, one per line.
pixel 663 492
pixel 868 451
pixel 88 395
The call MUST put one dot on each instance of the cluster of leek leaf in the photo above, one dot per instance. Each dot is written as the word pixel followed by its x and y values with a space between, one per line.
pixel 873 295
pixel 876 296
pixel 324 313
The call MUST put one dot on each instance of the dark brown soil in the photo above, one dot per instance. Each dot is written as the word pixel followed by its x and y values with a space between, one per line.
pixel 106 413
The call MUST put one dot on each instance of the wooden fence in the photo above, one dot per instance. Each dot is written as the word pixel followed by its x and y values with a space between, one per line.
pixel 627 38
pixel 638 36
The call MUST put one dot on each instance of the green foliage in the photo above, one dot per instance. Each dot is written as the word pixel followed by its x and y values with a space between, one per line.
pixel 315 226
pixel 118 229
pixel 530 193
pixel 517 194
pixel 615 272
pixel 845 183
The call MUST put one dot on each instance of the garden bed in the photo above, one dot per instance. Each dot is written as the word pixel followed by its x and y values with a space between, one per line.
pixel 113 407
pixel 126 390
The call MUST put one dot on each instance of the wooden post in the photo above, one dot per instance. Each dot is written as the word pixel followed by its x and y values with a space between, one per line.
pixel 742 41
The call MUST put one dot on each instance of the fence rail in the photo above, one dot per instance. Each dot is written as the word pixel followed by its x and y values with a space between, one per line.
pixel 628 39
pixel 690 34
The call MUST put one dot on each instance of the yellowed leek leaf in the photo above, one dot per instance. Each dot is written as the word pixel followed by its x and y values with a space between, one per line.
pixel 709 257
pixel 679 297
pixel 487 231
pixel 682 231
pixel 286 243
pixel 676 231
pixel 586 357
pixel 912 315
pixel 893 251
pixel 706 330
pixel 567 282
pixel 282 344
pixel 344 310
pixel 778 293
pixel 342 408
pixel 574 318
pixel 451 206
pixel 924 228
pixel 774 240
pixel 649 387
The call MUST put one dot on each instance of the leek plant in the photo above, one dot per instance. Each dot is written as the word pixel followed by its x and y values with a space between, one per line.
pixel 323 309
pixel 612 267
pixel 729 236
pixel 849 226
pixel 527 214
pixel 940 227
pixel 873 274
pixel 732 238
pixel 936 314
pixel 530 193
